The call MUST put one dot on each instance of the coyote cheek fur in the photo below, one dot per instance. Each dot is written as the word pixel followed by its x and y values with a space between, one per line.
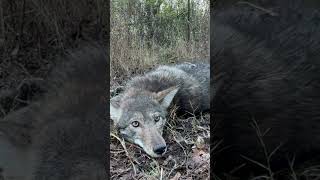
pixel 139 113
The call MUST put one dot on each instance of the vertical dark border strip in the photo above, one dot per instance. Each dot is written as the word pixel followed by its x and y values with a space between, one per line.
pixel 107 40
pixel 212 124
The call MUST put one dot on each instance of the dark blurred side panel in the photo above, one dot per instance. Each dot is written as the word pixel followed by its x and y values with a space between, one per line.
pixel 54 77
pixel 266 78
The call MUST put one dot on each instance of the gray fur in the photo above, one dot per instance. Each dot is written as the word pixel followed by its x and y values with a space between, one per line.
pixel 193 80
pixel 184 85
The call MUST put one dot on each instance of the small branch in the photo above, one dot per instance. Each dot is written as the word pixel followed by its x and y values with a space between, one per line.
pixel 122 142
pixel 260 8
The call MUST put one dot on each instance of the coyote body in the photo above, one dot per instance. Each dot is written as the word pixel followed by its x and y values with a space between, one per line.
pixel 140 111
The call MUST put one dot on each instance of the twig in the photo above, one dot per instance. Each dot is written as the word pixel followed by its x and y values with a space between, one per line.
pixel 125 149
pixel 260 8
pixel 267 155
pixel 161 173
pixel 291 163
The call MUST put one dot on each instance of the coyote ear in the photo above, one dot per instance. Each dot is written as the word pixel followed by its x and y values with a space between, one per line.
pixel 115 110
pixel 166 96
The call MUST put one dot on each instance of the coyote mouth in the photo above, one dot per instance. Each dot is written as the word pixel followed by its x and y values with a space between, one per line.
pixel 152 154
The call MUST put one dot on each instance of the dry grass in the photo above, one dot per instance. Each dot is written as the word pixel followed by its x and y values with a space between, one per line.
pixel 130 60
pixel 131 54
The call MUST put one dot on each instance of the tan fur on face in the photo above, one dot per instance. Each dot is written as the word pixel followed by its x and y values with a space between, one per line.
pixel 150 137
pixel 147 135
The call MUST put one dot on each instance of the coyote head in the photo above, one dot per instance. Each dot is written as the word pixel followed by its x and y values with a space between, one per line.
pixel 140 117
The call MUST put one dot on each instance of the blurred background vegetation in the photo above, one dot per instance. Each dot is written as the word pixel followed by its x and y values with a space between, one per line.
pixel 34 33
pixel 149 32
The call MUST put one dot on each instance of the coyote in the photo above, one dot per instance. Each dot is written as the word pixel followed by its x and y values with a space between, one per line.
pixel 139 113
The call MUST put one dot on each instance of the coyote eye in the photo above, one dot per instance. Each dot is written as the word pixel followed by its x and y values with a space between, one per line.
pixel 135 123
pixel 156 118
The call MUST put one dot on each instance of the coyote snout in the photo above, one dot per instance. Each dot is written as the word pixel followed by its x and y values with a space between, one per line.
pixel 152 142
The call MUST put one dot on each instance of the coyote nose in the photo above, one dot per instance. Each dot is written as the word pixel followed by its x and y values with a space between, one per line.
pixel 160 149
